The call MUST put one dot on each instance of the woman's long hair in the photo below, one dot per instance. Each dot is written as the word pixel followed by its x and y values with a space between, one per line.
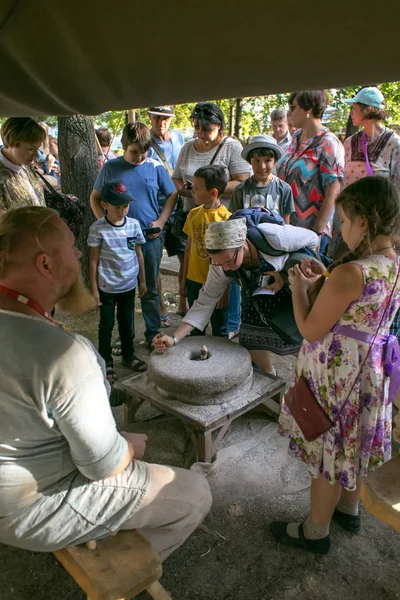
pixel 376 200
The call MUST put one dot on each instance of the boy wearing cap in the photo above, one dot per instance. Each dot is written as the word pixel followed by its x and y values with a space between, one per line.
pixel 262 154
pixel 116 266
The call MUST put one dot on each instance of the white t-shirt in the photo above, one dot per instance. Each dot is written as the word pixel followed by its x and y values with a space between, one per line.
pixel 190 160
pixel 118 264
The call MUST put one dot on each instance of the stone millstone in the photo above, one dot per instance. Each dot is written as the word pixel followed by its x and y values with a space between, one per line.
pixel 179 372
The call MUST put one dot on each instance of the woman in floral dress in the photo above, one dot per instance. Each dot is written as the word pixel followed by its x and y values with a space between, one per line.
pixel 339 315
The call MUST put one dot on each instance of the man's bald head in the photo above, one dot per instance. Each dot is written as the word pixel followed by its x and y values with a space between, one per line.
pixel 26 233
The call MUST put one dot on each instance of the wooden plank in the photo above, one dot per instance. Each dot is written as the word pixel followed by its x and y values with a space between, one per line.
pixel 121 566
pixel 157 592
pixel 380 493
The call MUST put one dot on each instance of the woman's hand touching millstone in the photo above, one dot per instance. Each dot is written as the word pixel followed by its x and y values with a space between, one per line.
pixel 162 342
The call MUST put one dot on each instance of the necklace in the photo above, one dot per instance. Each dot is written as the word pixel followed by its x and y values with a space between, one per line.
pixel 28 302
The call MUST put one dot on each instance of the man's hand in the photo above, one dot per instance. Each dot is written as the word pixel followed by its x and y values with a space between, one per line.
pixel 138 442
pixel 157 223
pixel 162 342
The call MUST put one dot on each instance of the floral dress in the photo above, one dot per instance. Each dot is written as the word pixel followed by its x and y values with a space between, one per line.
pixel 331 366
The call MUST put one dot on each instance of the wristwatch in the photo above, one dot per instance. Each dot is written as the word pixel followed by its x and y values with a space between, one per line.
pixel 174 340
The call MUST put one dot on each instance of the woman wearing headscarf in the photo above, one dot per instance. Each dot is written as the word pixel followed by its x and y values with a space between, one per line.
pixel 267 321
pixel 313 164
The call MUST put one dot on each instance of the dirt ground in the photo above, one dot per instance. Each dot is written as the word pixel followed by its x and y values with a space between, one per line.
pixel 228 557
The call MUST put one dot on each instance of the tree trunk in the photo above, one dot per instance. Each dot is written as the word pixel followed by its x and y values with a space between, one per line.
pixel 78 166
pixel 238 119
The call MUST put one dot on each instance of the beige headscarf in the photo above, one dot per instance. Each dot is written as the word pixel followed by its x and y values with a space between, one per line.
pixel 223 235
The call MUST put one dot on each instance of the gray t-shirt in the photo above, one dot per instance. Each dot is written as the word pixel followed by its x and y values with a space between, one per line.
pixel 190 160
pixel 58 438
pixel 277 196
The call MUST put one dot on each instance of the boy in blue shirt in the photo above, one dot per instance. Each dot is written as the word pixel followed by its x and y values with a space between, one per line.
pixel 145 179
pixel 116 265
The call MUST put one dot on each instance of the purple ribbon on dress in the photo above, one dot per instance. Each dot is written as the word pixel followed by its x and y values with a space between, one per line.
pixel 391 352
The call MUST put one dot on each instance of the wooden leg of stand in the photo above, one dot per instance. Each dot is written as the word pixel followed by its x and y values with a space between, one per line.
pixel 157 592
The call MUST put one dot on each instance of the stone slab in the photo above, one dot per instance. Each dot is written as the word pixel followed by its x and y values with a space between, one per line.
pixel 227 372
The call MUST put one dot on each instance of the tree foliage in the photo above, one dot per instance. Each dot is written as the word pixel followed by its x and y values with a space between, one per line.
pixel 255 112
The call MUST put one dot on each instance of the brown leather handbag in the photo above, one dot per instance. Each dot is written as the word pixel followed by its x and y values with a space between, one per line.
pixel 306 411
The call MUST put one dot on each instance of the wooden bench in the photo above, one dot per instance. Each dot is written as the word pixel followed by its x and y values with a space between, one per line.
pixel 118 568
pixel 380 493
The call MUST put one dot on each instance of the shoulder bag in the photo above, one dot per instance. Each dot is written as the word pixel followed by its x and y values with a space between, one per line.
pixel 69 207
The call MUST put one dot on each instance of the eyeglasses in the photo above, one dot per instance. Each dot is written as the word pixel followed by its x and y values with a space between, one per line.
pixel 232 261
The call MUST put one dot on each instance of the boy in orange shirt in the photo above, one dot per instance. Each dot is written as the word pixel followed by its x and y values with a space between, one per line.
pixel 209 184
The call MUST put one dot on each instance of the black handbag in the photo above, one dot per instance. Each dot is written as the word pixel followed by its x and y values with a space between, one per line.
pixel 69 207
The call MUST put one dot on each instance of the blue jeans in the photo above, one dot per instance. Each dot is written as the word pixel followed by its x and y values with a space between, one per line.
pixel 234 308
pixel 125 303
pixel 218 318
pixel 151 250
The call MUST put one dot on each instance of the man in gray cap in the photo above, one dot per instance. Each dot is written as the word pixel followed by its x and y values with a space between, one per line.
pixel 262 153
pixel 165 148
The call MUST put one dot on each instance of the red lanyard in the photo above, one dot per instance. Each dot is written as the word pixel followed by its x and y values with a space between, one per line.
pixel 28 302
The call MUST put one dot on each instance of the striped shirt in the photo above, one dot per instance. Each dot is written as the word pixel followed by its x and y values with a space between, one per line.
pixel 118 265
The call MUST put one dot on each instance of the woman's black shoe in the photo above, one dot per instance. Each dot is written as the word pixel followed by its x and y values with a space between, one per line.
pixel 350 522
pixel 321 546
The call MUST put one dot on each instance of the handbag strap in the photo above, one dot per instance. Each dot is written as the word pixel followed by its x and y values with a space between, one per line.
pixel 161 156
pixel 218 150
pixel 372 342
pixel 47 183
pixel 316 139
pixel 364 146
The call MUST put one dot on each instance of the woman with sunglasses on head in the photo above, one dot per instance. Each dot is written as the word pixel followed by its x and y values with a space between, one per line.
pixel 209 126
pixel 313 164
pixel 267 319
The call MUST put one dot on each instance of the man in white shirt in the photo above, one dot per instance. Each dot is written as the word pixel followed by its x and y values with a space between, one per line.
pixel 66 474
pixel 280 128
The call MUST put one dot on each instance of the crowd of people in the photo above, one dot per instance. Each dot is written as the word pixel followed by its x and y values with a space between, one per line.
pixel 311 223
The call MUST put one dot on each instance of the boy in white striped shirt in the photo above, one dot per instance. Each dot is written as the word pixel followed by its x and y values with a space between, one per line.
pixel 116 268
